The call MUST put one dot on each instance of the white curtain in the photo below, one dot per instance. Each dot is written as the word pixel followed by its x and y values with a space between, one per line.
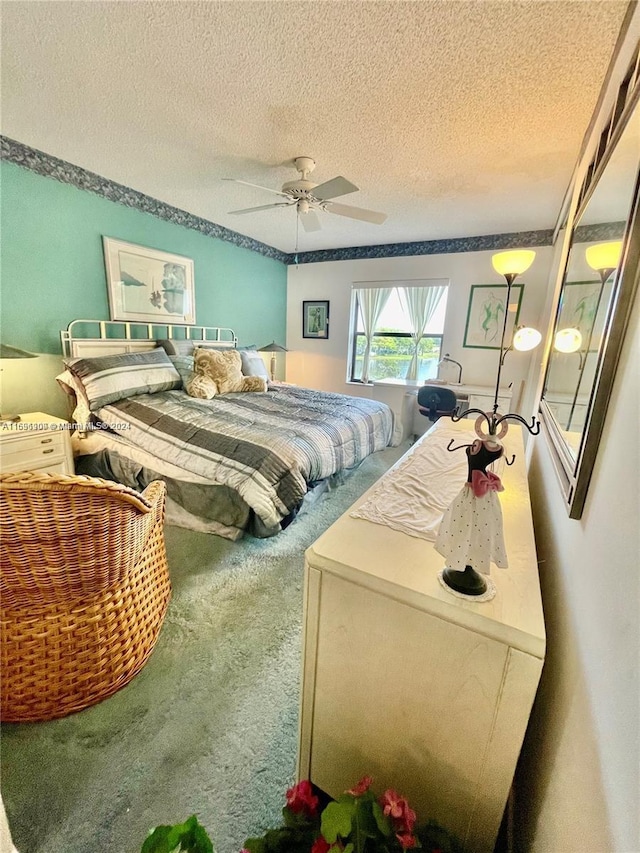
pixel 420 304
pixel 371 301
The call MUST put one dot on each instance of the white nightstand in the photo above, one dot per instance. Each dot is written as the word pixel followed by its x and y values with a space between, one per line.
pixel 37 442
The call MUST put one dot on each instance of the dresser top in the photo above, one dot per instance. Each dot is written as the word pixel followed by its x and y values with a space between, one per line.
pixel 406 567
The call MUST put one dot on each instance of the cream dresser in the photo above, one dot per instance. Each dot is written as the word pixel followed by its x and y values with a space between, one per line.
pixel 37 442
pixel 426 692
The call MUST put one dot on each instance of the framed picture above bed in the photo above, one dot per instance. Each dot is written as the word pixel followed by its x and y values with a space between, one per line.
pixel 147 285
pixel 315 319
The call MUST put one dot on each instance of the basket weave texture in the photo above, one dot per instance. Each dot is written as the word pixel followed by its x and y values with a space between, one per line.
pixel 84 587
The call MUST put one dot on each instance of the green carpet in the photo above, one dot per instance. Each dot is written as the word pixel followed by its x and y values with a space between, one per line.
pixel 210 724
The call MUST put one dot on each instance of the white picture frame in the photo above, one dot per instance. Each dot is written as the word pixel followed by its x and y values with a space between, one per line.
pixel 147 285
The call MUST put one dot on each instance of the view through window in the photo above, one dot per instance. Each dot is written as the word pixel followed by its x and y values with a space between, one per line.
pixel 393 340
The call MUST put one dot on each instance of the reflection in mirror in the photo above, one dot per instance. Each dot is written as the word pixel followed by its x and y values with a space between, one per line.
pixel 589 291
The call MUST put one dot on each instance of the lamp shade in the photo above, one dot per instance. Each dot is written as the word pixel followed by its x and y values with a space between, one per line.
pixel 604 256
pixel 514 262
pixel 568 340
pixel 273 347
pixel 7 351
pixel 526 338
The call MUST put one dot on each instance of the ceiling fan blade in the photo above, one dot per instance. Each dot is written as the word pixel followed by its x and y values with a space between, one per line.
pixel 357 213
pixel 257 186
pixel 334 187
pixel 310 221
pixel 262 207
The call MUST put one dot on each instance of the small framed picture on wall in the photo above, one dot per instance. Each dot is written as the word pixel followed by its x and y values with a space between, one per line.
pixel 315 318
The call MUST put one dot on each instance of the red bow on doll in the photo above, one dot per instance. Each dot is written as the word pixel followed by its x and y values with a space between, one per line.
pixel 483 483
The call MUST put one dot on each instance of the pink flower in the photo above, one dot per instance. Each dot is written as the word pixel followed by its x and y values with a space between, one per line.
pixel 301 799
pixel 398 809
pixel 362 787
pixel 407 841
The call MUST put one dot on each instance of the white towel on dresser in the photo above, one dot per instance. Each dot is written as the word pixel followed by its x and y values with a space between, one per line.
pixel 412 496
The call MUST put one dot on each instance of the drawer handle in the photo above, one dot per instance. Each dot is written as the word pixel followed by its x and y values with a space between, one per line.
pixel 49 450
pixel 46 440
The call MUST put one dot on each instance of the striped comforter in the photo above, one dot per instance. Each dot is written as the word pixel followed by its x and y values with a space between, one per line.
pixel 267 446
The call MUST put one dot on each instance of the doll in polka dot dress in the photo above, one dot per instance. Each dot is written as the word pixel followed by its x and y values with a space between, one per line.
pixel 470 533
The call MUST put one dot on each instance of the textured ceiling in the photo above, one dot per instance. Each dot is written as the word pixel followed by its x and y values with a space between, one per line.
pixel 455 118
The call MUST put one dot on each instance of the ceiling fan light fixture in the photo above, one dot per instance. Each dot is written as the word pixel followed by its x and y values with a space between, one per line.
pixel 309 197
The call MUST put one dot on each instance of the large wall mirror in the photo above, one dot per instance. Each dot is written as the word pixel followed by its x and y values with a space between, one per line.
pixel 599 282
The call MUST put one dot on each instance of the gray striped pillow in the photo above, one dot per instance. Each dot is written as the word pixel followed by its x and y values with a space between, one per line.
pixel 109 378
pixel 184 365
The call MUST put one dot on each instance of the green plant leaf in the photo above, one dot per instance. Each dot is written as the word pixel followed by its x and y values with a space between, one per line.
pixel 157 840
pixel 189 837
pixel 297 820
pixel 382 821
pixel 336 820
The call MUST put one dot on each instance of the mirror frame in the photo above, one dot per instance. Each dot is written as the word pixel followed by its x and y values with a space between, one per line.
pixel 574 473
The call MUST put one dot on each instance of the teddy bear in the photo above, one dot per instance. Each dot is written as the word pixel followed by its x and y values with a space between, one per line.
pixel 220 372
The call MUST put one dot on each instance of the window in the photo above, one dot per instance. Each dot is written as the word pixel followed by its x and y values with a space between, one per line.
pixel 397 330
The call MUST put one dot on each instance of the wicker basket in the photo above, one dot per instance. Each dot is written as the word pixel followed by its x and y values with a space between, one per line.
pixel 85 586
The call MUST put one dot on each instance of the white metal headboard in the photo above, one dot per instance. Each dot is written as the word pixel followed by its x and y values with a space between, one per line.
pixel 90 338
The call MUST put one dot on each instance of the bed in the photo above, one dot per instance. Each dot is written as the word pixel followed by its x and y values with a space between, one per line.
pixel 242 462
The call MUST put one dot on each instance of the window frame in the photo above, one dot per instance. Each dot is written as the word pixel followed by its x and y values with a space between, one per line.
pixel 354 333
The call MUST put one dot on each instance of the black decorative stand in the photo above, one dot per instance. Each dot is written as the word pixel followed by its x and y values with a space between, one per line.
pixel 468 582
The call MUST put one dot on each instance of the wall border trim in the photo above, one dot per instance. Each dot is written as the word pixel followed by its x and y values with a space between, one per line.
pixel 53 167
pixel 60 170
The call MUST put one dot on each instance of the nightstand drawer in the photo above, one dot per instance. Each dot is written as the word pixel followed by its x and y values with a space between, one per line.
pixel 17 442
pixel 33 456
pixel 36 442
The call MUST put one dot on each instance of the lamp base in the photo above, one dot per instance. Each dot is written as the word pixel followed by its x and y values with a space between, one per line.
pixel 468 582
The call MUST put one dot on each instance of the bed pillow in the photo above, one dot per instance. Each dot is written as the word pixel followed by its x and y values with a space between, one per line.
pixel 253 365
pixel 109 378
pixel 225 369
pixel 79 405
pixel 184 365
pixel 71 387
pixel 181 346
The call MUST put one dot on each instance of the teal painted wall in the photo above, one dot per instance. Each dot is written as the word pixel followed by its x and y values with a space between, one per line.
pixel 52 265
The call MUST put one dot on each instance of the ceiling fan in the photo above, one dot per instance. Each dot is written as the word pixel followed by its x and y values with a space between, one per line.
pixel 308 197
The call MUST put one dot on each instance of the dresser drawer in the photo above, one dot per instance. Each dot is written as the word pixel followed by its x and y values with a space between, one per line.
pixel 36 442
pixel 15 442
pixel 36 456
